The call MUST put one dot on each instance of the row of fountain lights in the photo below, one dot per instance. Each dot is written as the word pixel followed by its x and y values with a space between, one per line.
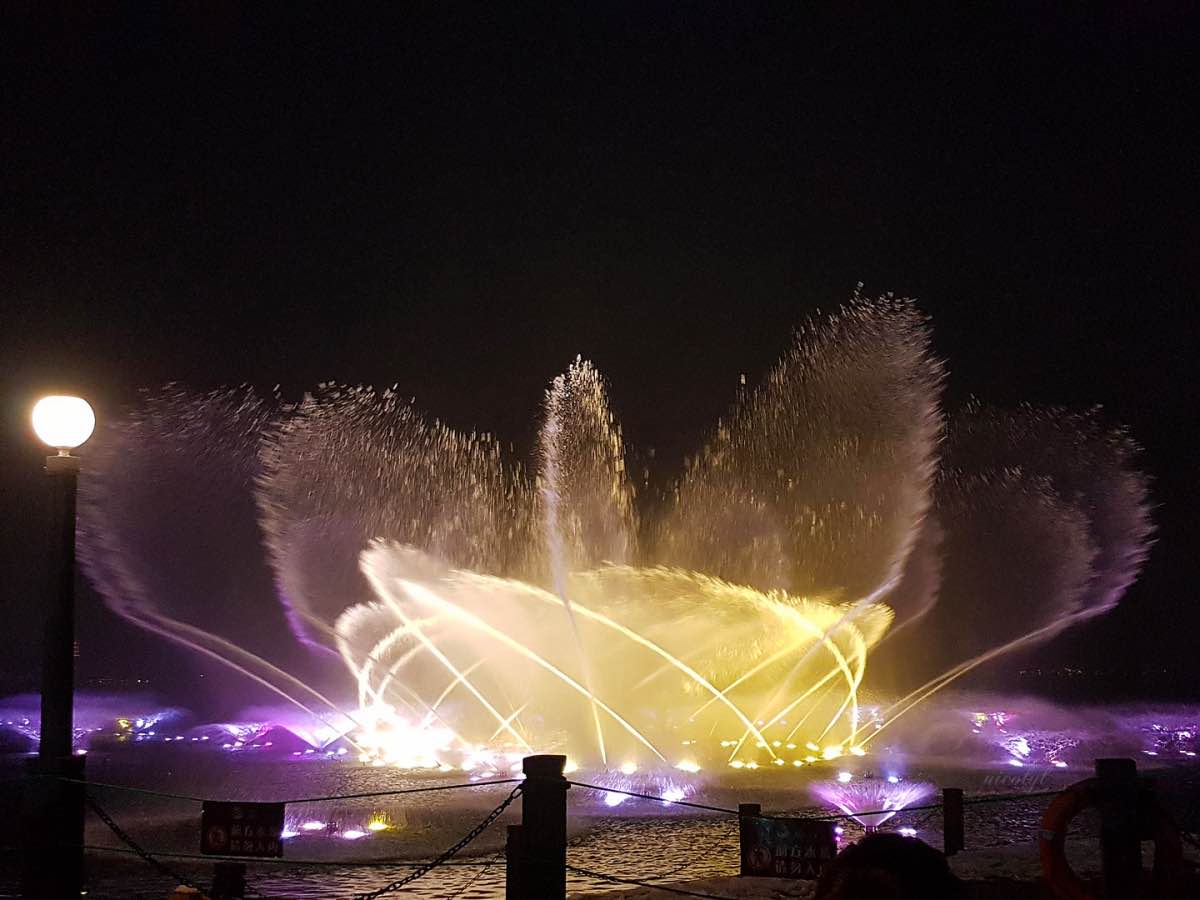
pixel 482 762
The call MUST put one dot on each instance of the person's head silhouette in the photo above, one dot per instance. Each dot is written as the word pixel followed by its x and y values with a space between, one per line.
pixel 888 866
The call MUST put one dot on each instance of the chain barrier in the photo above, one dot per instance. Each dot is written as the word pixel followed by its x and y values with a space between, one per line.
pixel 423 868
pixel 930 810
pixel 593 787
pixel 925 819
pixel 446 854
pixel 159 866
pixel 474 878
pixel 145 854
pixel 396 793
pixel 609 790
pixel 1004 798
pixel 333 797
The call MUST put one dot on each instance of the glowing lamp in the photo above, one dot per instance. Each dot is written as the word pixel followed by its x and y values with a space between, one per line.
pixel 63 422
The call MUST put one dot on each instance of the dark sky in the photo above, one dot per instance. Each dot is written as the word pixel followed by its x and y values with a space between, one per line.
pixel 461 198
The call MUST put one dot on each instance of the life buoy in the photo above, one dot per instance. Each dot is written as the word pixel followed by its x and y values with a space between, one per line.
pixel 1156 823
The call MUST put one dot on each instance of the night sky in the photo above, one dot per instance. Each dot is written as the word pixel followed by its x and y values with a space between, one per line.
pixel 460 199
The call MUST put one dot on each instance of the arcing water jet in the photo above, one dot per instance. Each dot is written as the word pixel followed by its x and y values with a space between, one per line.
pixel 514 611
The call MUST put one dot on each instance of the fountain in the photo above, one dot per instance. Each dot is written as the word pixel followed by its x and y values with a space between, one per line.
pixel 871 801
pixel 454 606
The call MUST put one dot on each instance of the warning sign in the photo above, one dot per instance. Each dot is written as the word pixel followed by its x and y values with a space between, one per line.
pixel 241 829
pixel 786 848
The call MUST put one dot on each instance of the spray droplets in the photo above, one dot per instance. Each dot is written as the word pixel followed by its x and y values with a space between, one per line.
pixel 438 569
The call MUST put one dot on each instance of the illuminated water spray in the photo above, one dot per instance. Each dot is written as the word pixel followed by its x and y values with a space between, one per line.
pixel 587 502
pixel 670 649
pixel 482 611
pixel 871 801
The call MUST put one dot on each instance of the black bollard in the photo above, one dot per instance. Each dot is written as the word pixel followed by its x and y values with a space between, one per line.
pixel 229 881
pixel 953 831
pixel 544 828
pixel 514 859
pixel 52 828
pixel 748 814
pixel 1120 838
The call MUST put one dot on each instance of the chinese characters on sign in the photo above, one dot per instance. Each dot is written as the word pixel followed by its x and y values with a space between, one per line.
pixel 784 848
pixel 241 829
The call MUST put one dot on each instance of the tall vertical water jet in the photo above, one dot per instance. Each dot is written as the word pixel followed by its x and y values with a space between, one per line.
pixel 587 501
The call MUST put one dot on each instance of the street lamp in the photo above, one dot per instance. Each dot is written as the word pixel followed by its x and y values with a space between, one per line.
pixel 55 801
pixel 63 422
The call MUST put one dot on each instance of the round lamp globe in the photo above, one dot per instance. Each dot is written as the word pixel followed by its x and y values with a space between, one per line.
pixel 63 422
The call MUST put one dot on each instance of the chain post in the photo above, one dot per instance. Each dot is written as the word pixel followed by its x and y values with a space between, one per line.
pixel 953 830
pixel 544 828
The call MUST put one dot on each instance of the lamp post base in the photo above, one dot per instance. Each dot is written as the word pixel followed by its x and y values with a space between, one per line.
pixel 52 817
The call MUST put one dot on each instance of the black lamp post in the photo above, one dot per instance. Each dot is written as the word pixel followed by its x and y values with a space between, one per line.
pixel 54 800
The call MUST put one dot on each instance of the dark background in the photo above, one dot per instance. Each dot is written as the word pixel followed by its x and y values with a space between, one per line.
pixel 459 200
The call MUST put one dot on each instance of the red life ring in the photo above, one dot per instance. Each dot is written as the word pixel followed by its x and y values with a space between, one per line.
pixel 1168 848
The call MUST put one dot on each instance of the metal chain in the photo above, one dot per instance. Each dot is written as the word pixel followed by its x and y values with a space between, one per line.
pixel 474 878
pixel 133 845
pixel 446 854
pixel 723 839
pixel 145 854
